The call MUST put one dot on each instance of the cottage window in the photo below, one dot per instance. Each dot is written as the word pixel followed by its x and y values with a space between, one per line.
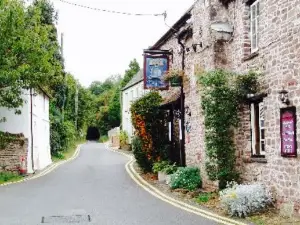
pixel 126 102
pixel 254 21
pixel 257 129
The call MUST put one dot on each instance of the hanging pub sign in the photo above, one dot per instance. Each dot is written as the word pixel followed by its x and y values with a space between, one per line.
pixel 154 69
pixel 288 132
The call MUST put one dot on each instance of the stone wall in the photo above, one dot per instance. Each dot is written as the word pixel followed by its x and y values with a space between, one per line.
pixel 114 137
pixel 277 58
pixel 12 153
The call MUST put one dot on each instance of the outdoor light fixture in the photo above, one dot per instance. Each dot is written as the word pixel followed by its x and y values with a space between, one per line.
pixel 194 46
pixel 284 97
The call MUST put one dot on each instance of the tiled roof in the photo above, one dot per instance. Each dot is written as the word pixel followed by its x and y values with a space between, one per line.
pixel 171 96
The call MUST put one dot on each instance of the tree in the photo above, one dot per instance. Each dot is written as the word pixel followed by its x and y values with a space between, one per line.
pixel 24 63
pixel 134 68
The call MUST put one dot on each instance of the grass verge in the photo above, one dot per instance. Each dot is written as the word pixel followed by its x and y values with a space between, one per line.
pixel 9 177
pixel 69 152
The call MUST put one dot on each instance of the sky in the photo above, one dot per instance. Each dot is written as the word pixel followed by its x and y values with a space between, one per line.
pixel 99 44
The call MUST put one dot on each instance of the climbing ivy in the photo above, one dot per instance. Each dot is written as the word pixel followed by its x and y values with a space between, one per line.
pixel 222 93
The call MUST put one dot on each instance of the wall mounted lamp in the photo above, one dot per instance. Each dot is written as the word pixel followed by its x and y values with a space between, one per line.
pixel 284 97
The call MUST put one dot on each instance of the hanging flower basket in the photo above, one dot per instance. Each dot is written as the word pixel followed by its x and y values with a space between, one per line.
pixel 174 77
pixel 175 81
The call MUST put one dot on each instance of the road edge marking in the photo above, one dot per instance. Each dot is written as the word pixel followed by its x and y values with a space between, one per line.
pixel 51 168
pixel 160 195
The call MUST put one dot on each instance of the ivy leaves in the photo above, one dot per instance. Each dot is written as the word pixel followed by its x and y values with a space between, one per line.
pixel 222 92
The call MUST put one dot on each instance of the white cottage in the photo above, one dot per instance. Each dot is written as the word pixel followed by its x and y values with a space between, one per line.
pixel 131 92
pixel 34 124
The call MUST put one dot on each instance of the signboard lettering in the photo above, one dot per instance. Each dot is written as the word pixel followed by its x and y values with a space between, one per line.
pixel 288 132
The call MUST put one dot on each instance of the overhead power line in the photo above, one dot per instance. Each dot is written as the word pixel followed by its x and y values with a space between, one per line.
pixel 111 11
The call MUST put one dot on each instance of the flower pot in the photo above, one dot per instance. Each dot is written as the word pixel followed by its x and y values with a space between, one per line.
pixel 162 176
pixel 168 179
pixel 175 81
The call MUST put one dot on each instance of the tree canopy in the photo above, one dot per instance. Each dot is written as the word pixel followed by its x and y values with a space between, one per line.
pixel 26 51
pixel 30 57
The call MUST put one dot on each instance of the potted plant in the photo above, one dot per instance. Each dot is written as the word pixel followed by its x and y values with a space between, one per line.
pixel 164 170
pixel 174 77
pixel 168 170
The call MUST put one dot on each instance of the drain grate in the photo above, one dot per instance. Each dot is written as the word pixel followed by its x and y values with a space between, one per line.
pixel 66 219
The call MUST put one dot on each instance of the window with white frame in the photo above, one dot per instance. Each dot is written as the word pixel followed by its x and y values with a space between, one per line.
pixel 257 129
pixel 126 102
pixel 254 23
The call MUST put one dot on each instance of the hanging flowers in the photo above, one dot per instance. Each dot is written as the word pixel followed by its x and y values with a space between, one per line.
pixel 174 77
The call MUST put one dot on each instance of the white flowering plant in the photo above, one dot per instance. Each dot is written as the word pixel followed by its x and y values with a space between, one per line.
pixel 243 200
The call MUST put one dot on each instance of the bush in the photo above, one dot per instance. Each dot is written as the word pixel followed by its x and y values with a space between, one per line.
pixel 159 166
pixel 170 169
pixel 123 138
pixel 242 200
pixel 103 138
pixel 62 135
pixel 141 158
pixel 186 177
pixel 204 197
pixel 8 176
pixel 149 123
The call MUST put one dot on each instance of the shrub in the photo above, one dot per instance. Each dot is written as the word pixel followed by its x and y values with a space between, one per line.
pixel 149 123
pixel 123 138
pixel 186 177
pixel 242 200
pixel 103 138
pixel 159 166
pixel 62 135
pixel 204 197
pixel 141 158
pixel 8 176
pixel 170 169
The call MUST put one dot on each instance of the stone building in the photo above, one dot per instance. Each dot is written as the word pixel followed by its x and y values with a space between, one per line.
pixel 243 35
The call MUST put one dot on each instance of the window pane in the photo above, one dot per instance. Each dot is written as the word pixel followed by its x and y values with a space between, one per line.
pixel 262 123
pixel 262 133
pixel 253 46
pixel 257 9
pixel 262 146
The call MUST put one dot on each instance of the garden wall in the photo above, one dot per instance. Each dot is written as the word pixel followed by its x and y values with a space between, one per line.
pixel 12 152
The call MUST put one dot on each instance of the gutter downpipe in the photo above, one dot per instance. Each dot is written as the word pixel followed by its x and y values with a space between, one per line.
pixel 182 143
pixel 31 129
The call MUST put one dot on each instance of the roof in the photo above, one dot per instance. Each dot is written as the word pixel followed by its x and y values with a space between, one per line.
pixel 134 80
pixel 171 96
pixel 187 15
pixel 44 91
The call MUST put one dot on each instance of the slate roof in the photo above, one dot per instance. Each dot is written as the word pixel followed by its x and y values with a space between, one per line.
pixel 135 79
pixel 171 96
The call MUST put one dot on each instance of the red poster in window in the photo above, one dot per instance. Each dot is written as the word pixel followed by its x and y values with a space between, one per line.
pixel 288 132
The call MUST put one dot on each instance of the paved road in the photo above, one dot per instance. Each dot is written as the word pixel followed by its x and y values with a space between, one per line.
pixel 95 186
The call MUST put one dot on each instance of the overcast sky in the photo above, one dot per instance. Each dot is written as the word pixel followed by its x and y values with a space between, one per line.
pixel 100 44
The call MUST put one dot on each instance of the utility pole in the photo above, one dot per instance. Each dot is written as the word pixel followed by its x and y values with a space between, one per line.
pixel 76 105
pixel 65 78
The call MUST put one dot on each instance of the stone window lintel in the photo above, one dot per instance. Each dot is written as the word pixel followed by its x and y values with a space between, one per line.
pixel 255 160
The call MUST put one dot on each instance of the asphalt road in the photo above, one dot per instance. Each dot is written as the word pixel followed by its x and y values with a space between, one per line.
pixel 92 189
